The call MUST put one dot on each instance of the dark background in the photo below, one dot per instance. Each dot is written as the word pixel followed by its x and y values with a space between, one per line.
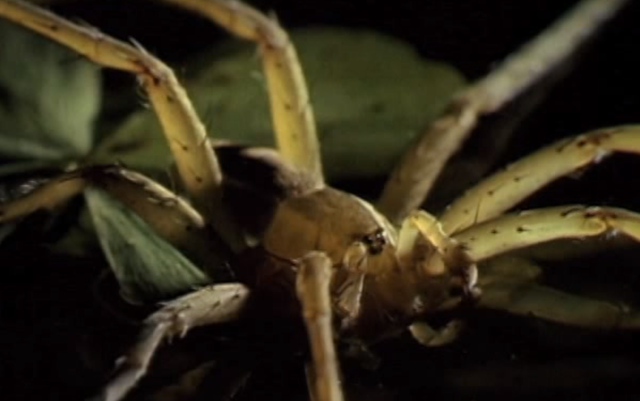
pixel 52 312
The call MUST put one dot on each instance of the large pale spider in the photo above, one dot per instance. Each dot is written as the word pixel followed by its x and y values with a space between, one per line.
pixel 357 271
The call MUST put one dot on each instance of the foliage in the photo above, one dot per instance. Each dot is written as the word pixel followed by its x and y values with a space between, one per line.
pixel 49 98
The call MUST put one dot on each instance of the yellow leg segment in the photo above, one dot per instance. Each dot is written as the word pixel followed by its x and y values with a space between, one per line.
pixel 532 300
pixel 48 196
pixel 511 284
pixel 209 305
pixel 194 157
pixel 413 178
pixel 532 227
pixel 505 189
pixel 170 216
pixel 293 120
pixel 313 289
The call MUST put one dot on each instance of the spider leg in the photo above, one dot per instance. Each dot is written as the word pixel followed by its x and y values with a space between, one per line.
pixel 503 190
pixel 515 291
pixel 186 135
pixel 170 216
pixel 412 179
pixel 47 196
pixel 293 120
pixel 531 227
pixel 210 305
pixel 530 299
pixel 510 284
pixel 313 289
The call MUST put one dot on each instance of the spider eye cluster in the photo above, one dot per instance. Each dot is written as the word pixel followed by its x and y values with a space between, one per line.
pixel 375 242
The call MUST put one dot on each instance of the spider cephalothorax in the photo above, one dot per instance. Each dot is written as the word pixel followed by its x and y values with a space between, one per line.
pixel 398 275
pixel 346 265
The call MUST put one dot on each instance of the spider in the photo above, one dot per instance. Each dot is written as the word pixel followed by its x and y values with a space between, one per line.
pixel 349 268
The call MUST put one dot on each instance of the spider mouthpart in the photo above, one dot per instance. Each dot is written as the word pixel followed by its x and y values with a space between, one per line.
pixel 375 242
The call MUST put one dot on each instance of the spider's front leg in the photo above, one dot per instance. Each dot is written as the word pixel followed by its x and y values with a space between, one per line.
pixel 313 289
pixel 523 297
pixel 293 121
pixel 210 305
pixel 506 188
pixel 448 262
pixel 188 141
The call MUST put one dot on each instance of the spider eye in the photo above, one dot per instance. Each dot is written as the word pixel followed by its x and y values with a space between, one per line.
pixel 375 241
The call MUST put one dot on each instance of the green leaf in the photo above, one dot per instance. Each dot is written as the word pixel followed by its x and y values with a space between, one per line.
pixel 49 98
pixel 371 94
pixel 146 266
